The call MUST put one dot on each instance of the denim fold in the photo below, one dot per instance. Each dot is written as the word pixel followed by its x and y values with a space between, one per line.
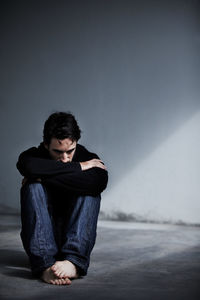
pixel 57 226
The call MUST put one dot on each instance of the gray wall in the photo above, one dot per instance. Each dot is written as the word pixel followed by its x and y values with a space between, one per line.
pixel 129 71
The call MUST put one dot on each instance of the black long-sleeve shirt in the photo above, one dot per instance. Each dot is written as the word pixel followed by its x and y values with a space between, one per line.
pixel 36 163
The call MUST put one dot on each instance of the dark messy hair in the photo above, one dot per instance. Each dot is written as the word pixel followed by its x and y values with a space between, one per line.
pixel 61 125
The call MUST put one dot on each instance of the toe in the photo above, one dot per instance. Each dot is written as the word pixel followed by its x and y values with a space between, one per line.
pixel 62 274
pixel 67 281
pixel 54 267
pixel 58 273
pixel 57 282
pixel 63 281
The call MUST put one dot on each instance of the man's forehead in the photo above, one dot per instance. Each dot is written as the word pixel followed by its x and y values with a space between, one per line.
pixel 62 143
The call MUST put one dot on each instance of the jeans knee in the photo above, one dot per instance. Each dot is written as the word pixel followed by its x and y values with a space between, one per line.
pixel 90 204
pixel 31 190
pixel 93 201
pixel 31 186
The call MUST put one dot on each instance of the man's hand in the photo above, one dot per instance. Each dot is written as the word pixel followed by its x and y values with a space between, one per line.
pixel 91 164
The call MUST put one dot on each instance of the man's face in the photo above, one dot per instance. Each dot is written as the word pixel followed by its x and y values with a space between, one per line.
pixel 61 150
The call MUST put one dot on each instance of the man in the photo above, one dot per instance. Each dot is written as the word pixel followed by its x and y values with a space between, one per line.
pixel 60 201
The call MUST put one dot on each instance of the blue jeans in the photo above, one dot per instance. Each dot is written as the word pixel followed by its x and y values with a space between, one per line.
pixel 49 234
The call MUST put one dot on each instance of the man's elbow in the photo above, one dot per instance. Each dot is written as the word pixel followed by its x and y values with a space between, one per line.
pixel 105 182
pixel 101 183
pixel 25 168
pixel 20 168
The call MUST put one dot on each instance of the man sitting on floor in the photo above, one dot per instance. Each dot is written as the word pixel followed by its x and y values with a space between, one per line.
pixel 60 201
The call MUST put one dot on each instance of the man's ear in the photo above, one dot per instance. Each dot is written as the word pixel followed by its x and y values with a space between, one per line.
pixel 46 146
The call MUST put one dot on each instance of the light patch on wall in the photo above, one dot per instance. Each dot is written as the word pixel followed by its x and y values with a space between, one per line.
pixel 164 187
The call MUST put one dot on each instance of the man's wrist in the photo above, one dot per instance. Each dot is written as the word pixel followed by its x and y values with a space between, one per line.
pixel 84 165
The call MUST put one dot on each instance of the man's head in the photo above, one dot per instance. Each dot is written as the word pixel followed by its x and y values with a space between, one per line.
pixel 61 134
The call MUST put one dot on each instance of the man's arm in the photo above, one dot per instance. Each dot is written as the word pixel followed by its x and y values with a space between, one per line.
pixel 31 166
pixel 85 177
pixel 89 182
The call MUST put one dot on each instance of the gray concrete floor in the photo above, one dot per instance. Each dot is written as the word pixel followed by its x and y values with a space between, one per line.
pixel 129 261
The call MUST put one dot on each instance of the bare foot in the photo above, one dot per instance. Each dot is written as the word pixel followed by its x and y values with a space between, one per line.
pixel 64 269
pixel 49 277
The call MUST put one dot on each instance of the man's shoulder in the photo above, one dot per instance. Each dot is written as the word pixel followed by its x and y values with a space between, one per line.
pixel 83 154
pixel 38 151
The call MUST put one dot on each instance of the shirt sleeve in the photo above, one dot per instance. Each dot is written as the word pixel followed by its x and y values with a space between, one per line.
pixel 88 182
pixel 32 166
